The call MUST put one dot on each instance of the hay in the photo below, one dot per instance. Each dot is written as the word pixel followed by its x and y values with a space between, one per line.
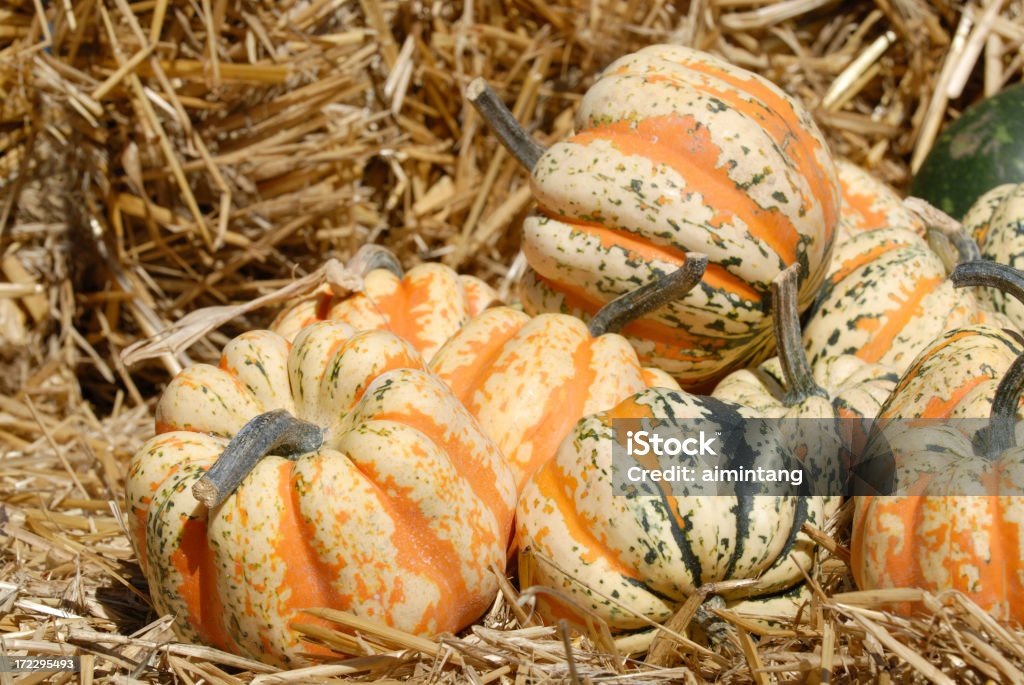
pixel 157 157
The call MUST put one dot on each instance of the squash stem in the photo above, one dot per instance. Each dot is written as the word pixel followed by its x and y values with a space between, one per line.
pixel 965 245
pixel 991 274
pixel 1004 409
pixel 615 315
pixel 370 257
pixel 786 325
pixel 503 123
pixel 275 431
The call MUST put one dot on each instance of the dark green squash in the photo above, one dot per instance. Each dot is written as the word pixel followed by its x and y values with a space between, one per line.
pixel 982 149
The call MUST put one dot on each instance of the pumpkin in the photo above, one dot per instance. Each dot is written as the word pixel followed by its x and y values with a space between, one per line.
pixel 528 380
pixel 677 151
pixel 425 306
pixel 633 555
pixel 868 203
pixel 887 296
pixel 924 536
pixel 977 152
pixel 335 472
pixel 994 221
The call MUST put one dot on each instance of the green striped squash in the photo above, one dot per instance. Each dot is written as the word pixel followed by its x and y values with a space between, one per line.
pixel 634 558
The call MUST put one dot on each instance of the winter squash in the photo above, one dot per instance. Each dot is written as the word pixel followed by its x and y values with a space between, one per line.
pixel 951 523
pixel 868 203
pixel 633 554
pixel 677 151
pixel 887 296
pixel 528 380
pixel 425 306
pixel 335 472
pixel 957 373
pixel 787 386
pixel 994 221
pixel 975 153
pixel 955 517
pixel 843 389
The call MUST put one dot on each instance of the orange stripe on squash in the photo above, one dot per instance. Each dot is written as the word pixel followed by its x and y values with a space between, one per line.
pixel 895 319
pixel 307 579
pixel 783 124
pixel 549 486
pixel 476 474
pixel 685 145
pixel 194 561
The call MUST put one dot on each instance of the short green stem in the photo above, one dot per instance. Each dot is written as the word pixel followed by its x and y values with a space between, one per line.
pixel 275 432
pixel 635 304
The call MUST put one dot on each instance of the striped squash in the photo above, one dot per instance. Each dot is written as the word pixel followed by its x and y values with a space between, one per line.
pixel 679 151
pixel 786 386
pixel 995 222
pixel 425 306
pixel 634 558
pixel 868 203
pixel 843 389
pixel 383 498
pixel 940 541
pixel 887 296
pixel 528 380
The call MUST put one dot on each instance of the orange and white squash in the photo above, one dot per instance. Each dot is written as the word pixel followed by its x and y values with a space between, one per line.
pixel 826 410
pixel 868 203
pixel 678 151
pixel 887 296
pixel 528 380
pixel 382 498
pixel 634 556
pixel 425 306
pixel 953 523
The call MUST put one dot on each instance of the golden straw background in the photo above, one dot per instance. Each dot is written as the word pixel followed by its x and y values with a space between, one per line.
pixel 161 156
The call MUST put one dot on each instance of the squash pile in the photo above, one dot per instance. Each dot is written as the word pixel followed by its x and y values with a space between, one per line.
pixel 382 452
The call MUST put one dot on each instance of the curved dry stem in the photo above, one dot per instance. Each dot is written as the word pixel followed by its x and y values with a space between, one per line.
pixel 503 123
pixel 615 315
pixel 275 431
pixel 789 340
pixel 991 274
pixel 965 245
pixel 1003 416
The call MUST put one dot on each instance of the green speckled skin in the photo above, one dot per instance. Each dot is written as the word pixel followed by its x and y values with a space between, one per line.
pixel 982 149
